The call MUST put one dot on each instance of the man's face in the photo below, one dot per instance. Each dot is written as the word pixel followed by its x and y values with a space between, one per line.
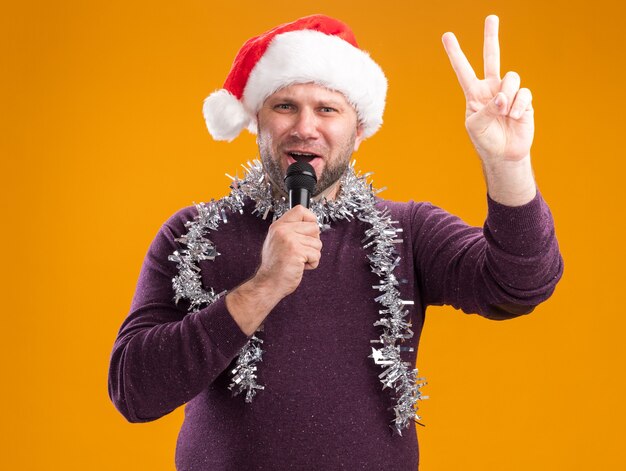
pixel 310 123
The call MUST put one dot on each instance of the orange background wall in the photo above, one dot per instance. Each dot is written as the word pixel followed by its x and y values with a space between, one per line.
pixel 103 139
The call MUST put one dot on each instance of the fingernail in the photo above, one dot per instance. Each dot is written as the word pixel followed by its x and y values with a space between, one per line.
pixel 498 100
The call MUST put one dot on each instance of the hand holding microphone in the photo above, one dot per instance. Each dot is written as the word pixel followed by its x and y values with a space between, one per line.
pixel 293 241
pixel 291 246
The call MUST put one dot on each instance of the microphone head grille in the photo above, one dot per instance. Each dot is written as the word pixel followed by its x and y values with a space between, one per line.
pixel 300 175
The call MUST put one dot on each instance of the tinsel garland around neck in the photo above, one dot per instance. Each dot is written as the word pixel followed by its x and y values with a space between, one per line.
pixel 356 199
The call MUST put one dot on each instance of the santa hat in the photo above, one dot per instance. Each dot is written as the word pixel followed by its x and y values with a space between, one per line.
pixel 313 49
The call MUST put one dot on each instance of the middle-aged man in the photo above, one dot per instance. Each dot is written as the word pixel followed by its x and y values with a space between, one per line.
pixel 340 290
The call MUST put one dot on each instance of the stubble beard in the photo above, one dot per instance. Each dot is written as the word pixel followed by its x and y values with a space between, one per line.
pixel 333 170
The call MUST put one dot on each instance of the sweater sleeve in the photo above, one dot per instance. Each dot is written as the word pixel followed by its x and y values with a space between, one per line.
pixel 500 271
pixel 164 356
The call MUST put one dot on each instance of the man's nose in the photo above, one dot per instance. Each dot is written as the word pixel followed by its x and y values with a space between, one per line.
pixel 305 125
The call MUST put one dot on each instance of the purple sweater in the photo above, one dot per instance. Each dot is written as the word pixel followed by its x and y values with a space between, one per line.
pixel 323 406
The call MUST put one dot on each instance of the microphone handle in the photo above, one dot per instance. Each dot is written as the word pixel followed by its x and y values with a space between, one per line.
pixel 299 196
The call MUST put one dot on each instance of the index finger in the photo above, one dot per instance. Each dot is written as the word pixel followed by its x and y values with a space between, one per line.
pixel 464 71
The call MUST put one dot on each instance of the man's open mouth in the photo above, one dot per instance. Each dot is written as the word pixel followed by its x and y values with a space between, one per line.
pixel 302 156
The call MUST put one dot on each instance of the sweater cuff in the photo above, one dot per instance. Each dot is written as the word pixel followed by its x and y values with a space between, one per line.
pixel 222 328
pixel 522 229
pixel 517 218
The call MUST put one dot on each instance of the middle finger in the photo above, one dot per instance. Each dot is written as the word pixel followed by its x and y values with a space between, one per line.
pixel 491 48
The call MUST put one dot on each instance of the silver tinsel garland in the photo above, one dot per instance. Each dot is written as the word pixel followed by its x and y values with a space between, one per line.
pixel 356 199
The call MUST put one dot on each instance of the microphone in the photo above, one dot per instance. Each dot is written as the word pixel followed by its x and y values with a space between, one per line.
pixel 300 182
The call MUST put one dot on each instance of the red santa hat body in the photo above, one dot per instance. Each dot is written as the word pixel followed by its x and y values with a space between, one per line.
pixel 314 49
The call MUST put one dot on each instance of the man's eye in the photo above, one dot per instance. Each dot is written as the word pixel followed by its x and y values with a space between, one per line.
pixel 283 107
pixel 327 109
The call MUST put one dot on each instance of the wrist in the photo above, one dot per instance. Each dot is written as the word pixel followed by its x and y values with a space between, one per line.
pixel 510 182
pixel 264 287
pixel 250 303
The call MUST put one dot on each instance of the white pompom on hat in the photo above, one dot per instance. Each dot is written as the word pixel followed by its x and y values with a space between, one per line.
pixel 314 49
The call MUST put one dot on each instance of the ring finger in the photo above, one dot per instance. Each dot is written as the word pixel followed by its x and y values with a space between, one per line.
pixel 509 86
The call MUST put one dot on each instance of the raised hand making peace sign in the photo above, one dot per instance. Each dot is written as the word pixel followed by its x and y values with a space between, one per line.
pixel 498 117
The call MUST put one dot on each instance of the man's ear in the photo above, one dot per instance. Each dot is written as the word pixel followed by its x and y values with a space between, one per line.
pixel 359 137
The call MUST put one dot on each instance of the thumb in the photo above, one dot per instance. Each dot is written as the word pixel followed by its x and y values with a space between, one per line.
pixel 299 213
pixel 494 108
